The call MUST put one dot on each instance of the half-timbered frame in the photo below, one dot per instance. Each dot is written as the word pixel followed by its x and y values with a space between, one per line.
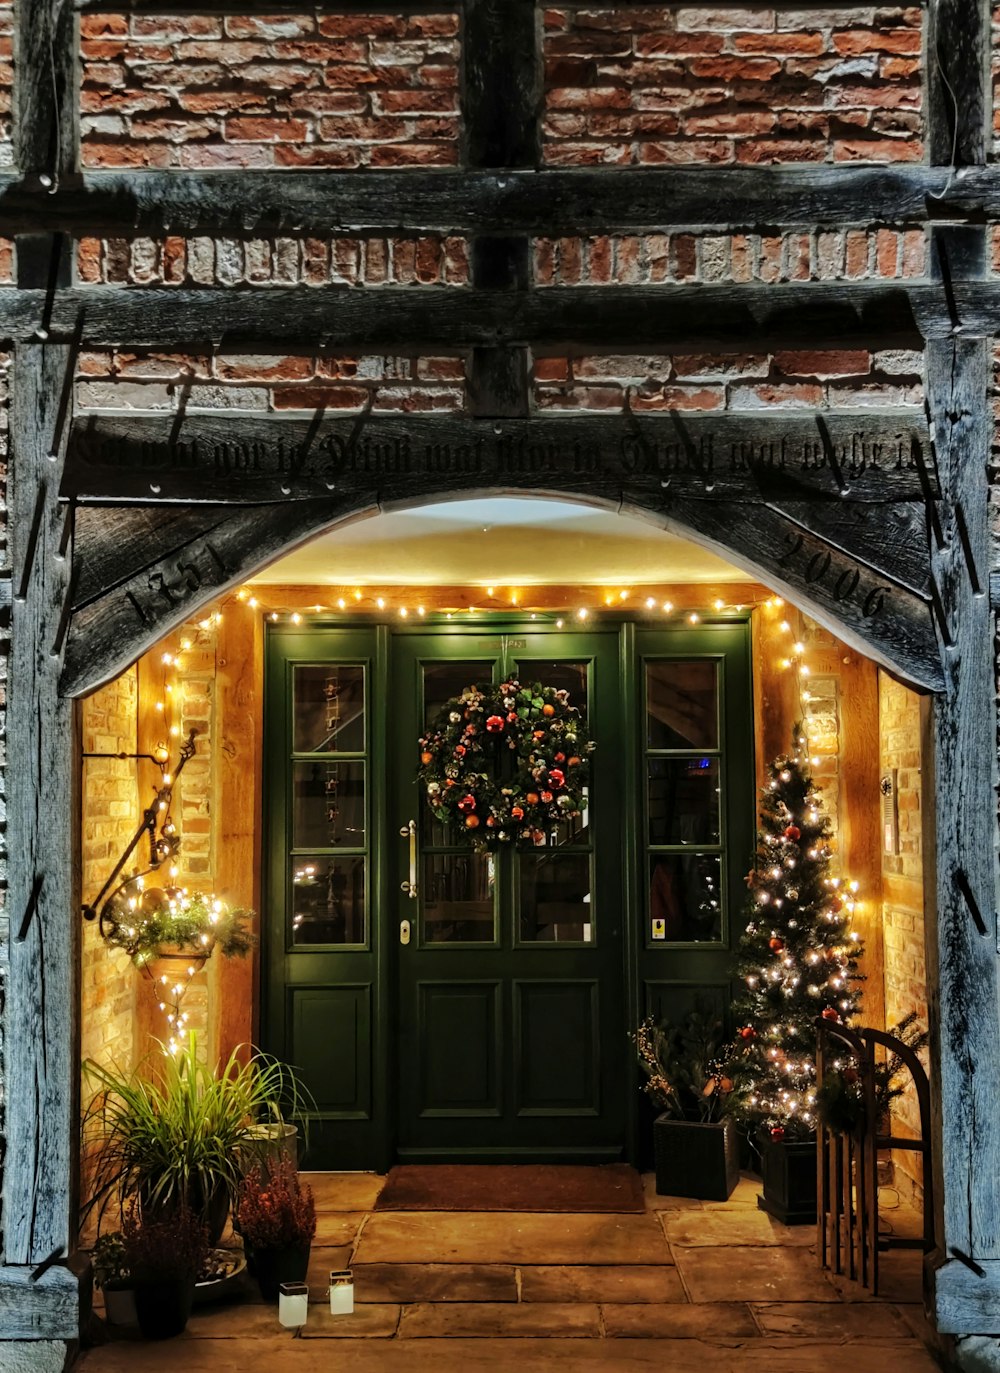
pixel 878 526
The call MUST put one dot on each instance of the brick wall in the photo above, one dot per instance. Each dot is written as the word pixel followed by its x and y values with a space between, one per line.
pixel 119 379
pixel 903 893
pixel 651 259
pixel 110 810
pixel 647 86
pixel 427 260
pixel 309 90
pixel 789 380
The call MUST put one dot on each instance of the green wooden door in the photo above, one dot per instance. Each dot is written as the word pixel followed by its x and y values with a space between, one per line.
pixel 510 967
pixel 499 1030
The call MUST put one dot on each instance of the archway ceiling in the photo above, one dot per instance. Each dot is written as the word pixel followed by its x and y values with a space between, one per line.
pixel 834 510
pixel 506 541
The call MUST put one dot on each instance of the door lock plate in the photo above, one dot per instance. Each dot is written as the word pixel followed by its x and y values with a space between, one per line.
pixel 404 932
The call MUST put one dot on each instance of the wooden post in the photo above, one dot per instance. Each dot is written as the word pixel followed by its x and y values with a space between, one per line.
pixel 965 1006
pixel 41 1062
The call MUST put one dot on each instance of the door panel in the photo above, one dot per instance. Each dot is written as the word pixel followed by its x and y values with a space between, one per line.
pixel 544 925
pixel 557 1028
pixel 321 1016
pixel 458 1029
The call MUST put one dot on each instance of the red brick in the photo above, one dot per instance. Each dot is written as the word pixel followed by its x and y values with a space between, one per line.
pixel 551 369
pixel 88 260
pixel 249 130
pixel 823 363
pixel 856 41
pixel 239 367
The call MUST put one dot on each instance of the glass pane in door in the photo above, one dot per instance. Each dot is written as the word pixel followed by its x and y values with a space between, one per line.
pixel 685 893
pixel 684 800
pixel 681 704
pixel 328 899
pixel 458 898
pixel 328 804
pixel 329 708
pixel 555 897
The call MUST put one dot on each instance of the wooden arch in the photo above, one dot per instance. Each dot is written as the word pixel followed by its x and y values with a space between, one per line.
pixel 836 512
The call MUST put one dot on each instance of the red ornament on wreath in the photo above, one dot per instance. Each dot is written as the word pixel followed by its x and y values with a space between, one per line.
pixel 830 1014
pixel 495 723
pixel 777 1133
pixel 467 803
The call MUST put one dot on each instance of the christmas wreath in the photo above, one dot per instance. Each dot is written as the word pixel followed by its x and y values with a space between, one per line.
pixel 506 763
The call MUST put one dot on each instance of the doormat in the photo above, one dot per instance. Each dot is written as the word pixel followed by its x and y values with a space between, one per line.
pixel 511 1187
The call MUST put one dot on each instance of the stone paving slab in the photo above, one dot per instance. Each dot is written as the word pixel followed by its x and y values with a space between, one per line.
pixel 371 1321
pixel 745 1193
pixel 844 1320
pixel 338 1227
pixel 440 1282
pixel 323 1260
pixel 344 1191
pixel 311 1354
pixel 745 1273
pixel 510 1237
pixel 738 1226
pixel 602 1283
pixel 723 1323
pixel 502 1319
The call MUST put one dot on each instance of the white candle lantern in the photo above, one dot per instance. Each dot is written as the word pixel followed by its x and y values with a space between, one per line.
pixel 293 1305
pixel 341 1293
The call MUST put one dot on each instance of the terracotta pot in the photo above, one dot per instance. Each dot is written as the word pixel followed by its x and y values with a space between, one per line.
pixel 272 1267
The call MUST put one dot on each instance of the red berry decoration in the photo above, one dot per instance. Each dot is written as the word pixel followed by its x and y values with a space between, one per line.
pixel 830 1014
pixel 747 1032
pixel 793 832
pixel 560 757
pixel 467 802
pixel 557 778
pixel 495 724
pixel 777 1132
pixel 546 797
pixel 460 750
pixel 517 812
pixel 776 945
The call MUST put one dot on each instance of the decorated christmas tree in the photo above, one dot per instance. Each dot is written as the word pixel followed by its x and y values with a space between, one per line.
pixel 797 959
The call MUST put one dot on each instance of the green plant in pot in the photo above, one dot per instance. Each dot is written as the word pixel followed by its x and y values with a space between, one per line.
pixel 113 1277
pixel 165 1258
pixel 694 1141
pixel 276 1216
pixel 171 1134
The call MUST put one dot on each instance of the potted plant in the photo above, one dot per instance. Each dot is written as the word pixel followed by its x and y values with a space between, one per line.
pixel 113 1277
pixel 276 1216
pixel 694 1142
pixel 170 1133
pixel 164 1257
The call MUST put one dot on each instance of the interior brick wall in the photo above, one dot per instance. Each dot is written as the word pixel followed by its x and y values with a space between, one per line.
pixel 800 255
pixel 755 84
pixel 110 810
pixel 903 894
pixel 308 90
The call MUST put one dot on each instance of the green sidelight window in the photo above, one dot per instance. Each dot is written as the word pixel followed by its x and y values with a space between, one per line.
pixel 684 778
pixel 328 862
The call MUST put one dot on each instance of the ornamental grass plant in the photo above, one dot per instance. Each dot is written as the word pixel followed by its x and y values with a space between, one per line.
pixel 169 1134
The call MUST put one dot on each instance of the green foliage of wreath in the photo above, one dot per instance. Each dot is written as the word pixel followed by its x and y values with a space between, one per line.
pixel 152 920
pixel 506 764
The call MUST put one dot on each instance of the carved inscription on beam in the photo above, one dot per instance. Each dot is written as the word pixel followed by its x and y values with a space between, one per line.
pixel 845 457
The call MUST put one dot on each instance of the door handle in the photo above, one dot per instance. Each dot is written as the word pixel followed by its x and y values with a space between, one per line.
pixel 409 831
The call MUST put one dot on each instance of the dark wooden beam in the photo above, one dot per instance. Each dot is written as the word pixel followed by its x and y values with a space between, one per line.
pixel 41 994
pixel 963 940
pixel 836 460
pixel 959 97
pixel 306 319
pixel 46 104
pixel 879 616
pixel 354 6
pixel 501 92
pixel 550 202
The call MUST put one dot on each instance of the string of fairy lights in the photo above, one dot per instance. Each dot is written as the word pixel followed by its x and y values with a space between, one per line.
pixel 785 638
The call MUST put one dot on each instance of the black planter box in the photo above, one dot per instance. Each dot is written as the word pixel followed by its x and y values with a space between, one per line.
pixel 789 1173
pixel 695 1160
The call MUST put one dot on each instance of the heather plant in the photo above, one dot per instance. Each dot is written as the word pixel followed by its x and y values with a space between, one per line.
pixel 274 1208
